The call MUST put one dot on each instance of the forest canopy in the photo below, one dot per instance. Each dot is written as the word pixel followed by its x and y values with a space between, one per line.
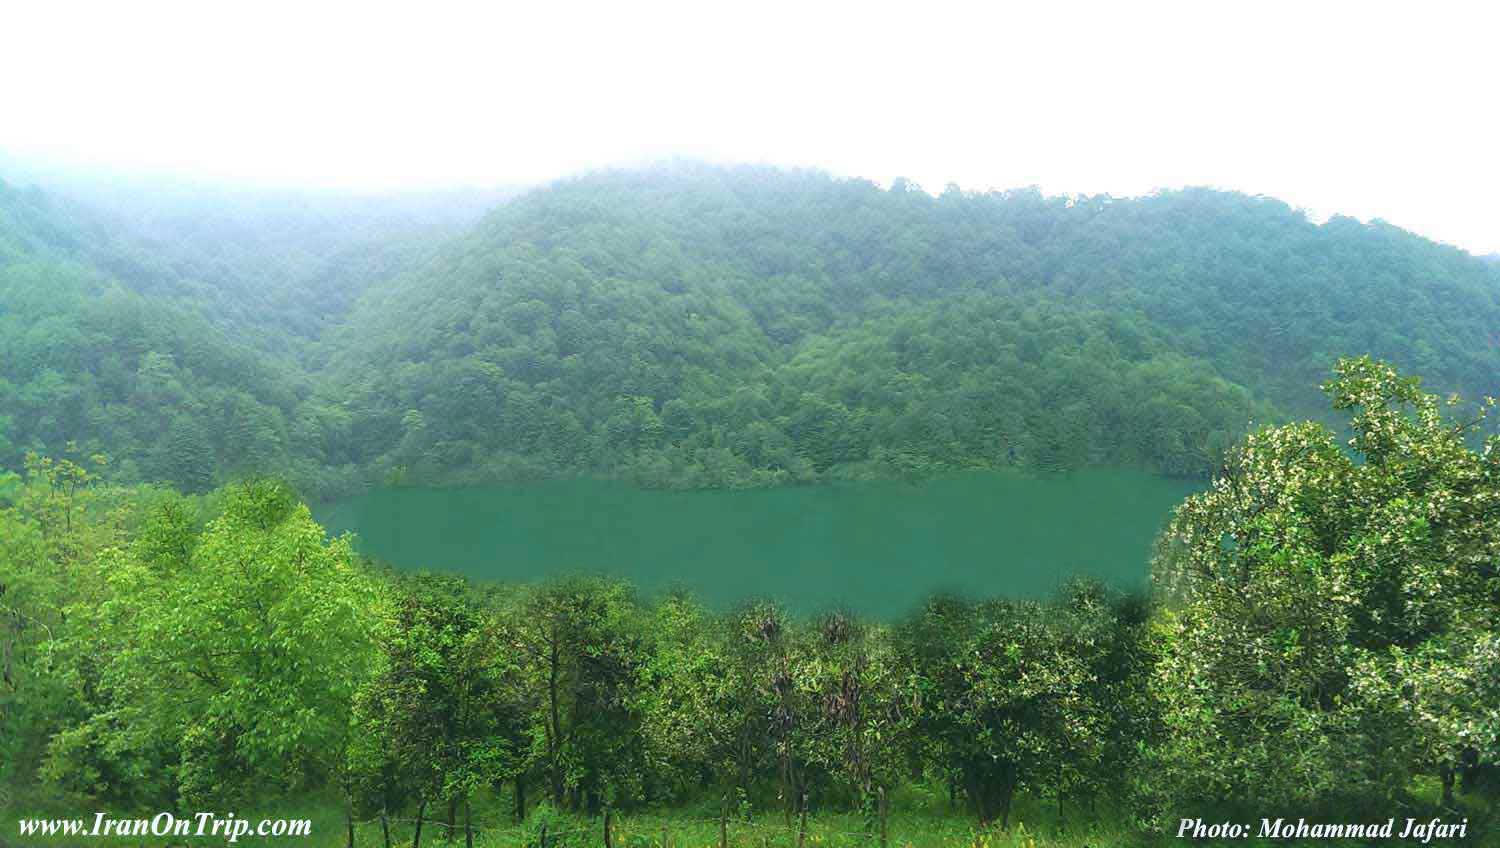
pixel 691 325
pixel 178 381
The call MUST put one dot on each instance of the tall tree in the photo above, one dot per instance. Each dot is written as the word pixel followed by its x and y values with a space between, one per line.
pixel 1333 612
pixel 264 629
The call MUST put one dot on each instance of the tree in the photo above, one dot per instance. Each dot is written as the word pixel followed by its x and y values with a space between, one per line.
pixel 185 458
pixel 581 653
pixel 700 714
pixel 56 524
pixel 1332 613
pixel 444 717
pixel 1008 698
pixel 863 710
pixel 264 630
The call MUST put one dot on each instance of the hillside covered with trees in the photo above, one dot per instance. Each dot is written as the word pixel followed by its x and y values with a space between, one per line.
pixel 178 330
pixel 697 326
pixel 181 374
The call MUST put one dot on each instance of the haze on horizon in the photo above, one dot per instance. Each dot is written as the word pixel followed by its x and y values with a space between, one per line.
pixel 1341 108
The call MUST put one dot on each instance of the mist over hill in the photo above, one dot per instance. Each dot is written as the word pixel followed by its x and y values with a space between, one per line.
pixel 694 325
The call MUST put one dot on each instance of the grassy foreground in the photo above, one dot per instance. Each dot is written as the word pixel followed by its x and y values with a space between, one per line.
pixel 653 830
pixel 920 818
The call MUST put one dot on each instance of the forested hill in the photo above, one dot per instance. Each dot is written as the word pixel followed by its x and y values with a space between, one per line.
pixel 176 329
pixel 716 325
pixel 693 325
pixel 276 265
pixel 90 363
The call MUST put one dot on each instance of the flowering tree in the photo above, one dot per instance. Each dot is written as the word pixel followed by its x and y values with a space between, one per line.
pixel 1332 615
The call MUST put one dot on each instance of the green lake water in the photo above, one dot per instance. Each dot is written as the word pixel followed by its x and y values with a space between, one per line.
pixel 875 548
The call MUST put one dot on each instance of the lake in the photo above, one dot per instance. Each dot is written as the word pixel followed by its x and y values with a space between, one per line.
pixel 875 548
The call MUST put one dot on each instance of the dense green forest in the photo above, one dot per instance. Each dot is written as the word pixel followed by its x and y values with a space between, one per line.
pixel 183 370
pixel 1322 641
pixel 177 327
pixel 696 326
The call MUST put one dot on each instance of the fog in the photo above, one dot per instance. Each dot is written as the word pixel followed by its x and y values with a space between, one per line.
pixel 1342 108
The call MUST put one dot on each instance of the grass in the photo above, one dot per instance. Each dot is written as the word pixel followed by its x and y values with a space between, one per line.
pixel 677 830
pixel 917 820
pixel 682 828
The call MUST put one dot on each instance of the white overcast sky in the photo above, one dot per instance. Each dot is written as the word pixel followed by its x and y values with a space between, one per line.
pixel 1368 109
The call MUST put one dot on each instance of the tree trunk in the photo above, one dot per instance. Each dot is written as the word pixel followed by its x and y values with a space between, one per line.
pixel 1008 792
pixel 553 728
pixel 724 823
pixel 883 810
pixel 416 840
pixel 990 791
pixel 452 813
pixel 976 795
pixel 385 828
pixel 743 785
pixel 349 824
pixel 802 820
pixel 5 665
pixel 520 798
pixel 1469 768
pixel 1446 772
pixel 608 840
pixel 468 824
pixel 786 791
